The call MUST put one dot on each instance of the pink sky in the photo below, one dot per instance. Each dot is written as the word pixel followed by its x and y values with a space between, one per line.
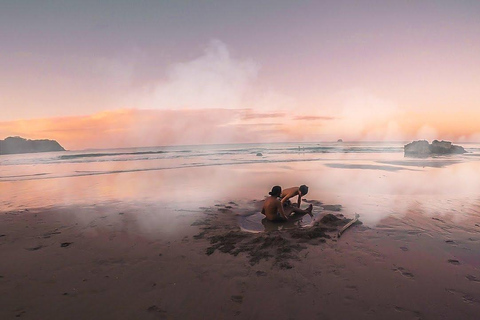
pixel 133 127
pixel 91 75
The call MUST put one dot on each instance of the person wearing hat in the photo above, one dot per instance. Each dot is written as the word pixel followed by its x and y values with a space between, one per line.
pixel 272 207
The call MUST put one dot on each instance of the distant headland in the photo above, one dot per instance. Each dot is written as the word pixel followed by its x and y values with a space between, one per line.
pixel 422 148
pixel 13 145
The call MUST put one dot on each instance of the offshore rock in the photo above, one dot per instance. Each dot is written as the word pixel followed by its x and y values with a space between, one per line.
pixel 422 148
pixel 13 145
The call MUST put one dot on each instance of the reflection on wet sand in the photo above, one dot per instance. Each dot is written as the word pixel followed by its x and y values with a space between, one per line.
pixel 359 185
pixel 431 163
pixel 364 166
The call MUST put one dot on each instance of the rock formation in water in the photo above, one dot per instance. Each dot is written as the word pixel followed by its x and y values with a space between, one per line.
pixel 12 145
pixel 422 148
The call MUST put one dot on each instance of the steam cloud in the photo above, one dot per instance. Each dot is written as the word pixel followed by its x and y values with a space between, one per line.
pixel 213 80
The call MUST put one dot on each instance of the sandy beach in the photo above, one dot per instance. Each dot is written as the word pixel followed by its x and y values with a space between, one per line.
pixel 145 260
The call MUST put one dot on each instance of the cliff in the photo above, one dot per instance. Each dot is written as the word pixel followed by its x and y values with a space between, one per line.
pixel 13 145
pixel 422 148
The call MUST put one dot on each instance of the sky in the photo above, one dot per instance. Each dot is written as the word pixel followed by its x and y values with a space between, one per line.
pixel 98 74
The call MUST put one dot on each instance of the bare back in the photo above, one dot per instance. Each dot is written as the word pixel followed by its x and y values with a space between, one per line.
pixel 289 193
pixel 272 209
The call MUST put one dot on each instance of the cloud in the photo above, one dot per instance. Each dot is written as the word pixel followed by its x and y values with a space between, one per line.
pixel 258 125
pixel 137 128
pixel 365 116
pixel 216 79
pixel 213 80
pixel 251 115
pixel 473 137
pixel 313 118
pixel 427 132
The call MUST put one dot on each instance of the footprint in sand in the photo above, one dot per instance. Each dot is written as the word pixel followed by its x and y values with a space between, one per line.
pixel 335 272
pixel 472 278
pixel 156 310
pixel 412 312
pixel 237 299
pixel 404 272
pixel 467 298
pixel 49 234
pixel 34 248
pixel 19 314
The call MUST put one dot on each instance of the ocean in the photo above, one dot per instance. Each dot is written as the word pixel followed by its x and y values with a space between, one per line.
pixel 371 178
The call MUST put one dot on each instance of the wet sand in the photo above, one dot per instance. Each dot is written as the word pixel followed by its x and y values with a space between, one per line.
pixel 126 261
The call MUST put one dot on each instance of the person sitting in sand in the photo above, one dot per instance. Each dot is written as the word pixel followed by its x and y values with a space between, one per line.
pixel 272 207
pixel 292 192
pixel 274 210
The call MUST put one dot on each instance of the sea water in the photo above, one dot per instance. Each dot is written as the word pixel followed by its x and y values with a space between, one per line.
pixel 370 178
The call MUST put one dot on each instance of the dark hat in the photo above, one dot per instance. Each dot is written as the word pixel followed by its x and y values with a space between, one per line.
pixel 276 191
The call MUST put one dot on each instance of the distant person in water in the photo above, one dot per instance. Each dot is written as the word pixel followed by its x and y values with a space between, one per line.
pixel 289 193
pixel 274 209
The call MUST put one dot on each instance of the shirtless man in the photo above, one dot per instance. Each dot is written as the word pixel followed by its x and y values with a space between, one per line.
pixel 272 207
pixel 286 194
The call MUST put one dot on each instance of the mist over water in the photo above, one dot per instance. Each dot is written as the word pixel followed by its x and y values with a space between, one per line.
pixel 372 179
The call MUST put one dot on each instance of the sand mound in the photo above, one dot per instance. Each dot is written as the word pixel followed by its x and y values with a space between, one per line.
pixel 220 228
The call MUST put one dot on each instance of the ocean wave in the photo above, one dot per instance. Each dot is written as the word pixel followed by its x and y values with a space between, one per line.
pixel 337 149
pixel 23 176
pixel 94 155
pixel 82 173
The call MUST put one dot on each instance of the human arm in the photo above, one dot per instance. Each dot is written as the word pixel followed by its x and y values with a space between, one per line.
pixel 299 201
pixel 280 210
pixel 289 193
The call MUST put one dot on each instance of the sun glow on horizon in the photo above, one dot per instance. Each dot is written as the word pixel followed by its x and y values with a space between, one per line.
pixel 138 128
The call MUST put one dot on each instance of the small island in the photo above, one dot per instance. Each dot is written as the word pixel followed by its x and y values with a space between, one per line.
pixel 422 148
pixel 14 145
